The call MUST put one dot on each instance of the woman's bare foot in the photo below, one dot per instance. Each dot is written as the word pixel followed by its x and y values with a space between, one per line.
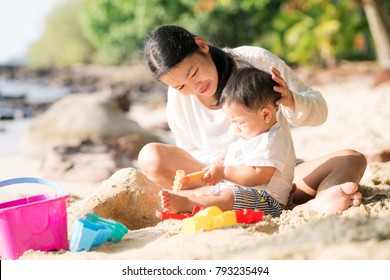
pixel 174 203
pixel 335 199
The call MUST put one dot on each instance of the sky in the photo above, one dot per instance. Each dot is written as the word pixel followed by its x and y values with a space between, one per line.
pixel 21 23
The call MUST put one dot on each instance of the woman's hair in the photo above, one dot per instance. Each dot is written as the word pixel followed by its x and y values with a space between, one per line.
pixel 168 45
pixel 250 87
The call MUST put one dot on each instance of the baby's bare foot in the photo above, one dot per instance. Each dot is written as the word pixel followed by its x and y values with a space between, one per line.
pixel 174 203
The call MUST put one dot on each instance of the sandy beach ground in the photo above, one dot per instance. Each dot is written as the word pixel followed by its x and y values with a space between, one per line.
pixel 359 118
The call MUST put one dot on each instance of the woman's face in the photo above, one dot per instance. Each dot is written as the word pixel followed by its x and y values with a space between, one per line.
pixel 196 74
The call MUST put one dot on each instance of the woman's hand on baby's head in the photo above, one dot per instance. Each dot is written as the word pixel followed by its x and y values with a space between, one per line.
pixel 286 97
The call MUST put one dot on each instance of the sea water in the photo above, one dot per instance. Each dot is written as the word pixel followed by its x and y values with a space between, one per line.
pixel 34 92
pixel 12 130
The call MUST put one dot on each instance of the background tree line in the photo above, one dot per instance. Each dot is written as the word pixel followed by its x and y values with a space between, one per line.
pixel 311 32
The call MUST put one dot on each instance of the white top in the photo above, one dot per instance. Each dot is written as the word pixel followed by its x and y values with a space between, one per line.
pixel 272 148
pixel 206 133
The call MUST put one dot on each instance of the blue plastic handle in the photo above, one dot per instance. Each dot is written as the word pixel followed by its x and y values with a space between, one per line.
pixel 32 180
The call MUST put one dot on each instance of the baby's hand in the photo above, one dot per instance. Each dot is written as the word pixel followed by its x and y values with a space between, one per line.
pixel 286 99
pixel 214 174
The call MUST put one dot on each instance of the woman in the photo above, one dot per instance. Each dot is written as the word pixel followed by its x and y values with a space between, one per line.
pixel 196 74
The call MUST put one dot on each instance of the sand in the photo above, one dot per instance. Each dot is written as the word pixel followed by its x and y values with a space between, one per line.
pixel 358 119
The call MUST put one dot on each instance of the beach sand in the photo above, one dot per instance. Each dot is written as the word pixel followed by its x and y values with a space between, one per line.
pixel 358 119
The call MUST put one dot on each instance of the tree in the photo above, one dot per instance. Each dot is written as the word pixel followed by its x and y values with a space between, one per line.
pixel 317 32
pixel 63 42
pixel 377 13
pixel 118 27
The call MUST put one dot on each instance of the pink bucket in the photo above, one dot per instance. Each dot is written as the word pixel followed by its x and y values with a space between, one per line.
pixel 37 222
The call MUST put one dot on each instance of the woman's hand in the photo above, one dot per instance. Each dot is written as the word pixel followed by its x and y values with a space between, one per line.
pixel 286 99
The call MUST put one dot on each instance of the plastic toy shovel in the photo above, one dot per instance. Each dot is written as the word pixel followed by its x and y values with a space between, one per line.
pixel 193 176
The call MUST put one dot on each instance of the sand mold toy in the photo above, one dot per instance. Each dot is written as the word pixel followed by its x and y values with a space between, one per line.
pixel 93 231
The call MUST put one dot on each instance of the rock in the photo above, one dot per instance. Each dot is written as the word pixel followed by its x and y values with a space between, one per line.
pixel 128 197
pixel 382 156
pixel 85 163
pixel 79 118
pixel 381 77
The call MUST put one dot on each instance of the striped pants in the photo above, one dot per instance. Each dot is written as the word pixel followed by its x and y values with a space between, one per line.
pixel 254 199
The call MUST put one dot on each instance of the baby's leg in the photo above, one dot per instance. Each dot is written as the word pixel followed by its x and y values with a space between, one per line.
pixel 199 191
pixel 176 203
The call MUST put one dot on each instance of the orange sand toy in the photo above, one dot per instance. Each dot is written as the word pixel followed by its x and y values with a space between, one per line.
pixel 193 176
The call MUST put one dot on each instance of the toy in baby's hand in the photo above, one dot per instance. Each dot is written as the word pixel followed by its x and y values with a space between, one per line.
pixel 193 176
pixel 182 178
pixel 177 183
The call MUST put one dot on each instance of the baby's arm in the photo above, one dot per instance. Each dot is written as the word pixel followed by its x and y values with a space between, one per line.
pixel 243 175
pixel 249 175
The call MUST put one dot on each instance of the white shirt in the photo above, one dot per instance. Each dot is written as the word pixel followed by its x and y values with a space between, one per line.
pixel 206 133
pixel 272 148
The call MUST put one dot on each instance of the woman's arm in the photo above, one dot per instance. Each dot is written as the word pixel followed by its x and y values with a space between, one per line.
pixel 249 175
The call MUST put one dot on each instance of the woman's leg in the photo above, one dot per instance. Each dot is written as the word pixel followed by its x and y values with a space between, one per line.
pixel 159 162
pixel 329 183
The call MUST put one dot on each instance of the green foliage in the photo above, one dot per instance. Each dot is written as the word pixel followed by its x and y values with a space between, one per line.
pixel 63 42
pixel 317 32
pixel 234 22
pixel 118 27
pixel 300 31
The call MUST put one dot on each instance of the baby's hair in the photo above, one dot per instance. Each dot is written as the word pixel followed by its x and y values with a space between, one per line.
pixel 250 87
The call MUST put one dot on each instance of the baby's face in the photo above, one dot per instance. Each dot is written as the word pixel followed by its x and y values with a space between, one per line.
pixel 247 124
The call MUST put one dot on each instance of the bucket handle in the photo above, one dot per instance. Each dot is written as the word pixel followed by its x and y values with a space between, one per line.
pixel 32 180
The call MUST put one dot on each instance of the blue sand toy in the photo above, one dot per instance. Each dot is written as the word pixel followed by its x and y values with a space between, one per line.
pixel 93 231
